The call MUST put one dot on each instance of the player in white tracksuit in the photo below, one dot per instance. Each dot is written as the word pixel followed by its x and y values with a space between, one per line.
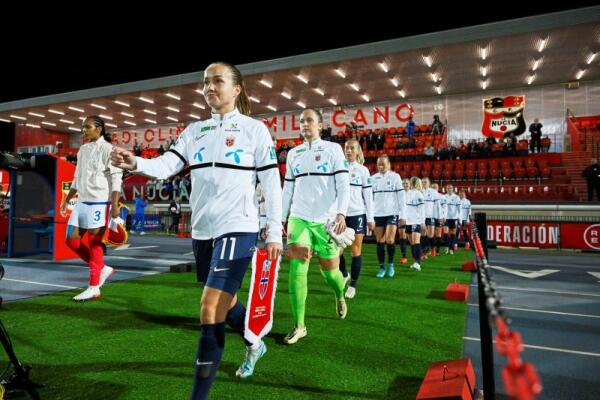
pixel 402 222
pixel 226 155
pixel 98 187
pixel 465 215
pixel 453 220
pixel 360 211
pixel 388 202
pixel 439 212
pixel 316 190
pixel 415 219
pixel 430 196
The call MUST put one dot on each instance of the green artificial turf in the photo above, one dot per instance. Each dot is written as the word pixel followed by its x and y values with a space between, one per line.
pixel 139 341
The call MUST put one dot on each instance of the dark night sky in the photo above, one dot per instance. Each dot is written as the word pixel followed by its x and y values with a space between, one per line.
pixel 45 54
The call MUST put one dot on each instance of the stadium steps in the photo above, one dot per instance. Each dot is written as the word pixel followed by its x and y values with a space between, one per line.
pixel 575 163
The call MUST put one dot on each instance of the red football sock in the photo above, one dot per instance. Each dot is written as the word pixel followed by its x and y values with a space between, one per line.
pixel 96 259
pixel 81 249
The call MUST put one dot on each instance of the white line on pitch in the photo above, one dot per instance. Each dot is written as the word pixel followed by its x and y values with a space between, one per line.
pixel 531 346
pixel 130 271
pixel 40 283
pixel 544 311
pixel 546 291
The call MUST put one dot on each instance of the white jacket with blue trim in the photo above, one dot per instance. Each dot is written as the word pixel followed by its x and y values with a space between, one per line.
pixel 226 155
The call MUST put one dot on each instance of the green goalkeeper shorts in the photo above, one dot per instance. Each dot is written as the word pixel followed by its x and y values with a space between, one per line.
pixel 312 235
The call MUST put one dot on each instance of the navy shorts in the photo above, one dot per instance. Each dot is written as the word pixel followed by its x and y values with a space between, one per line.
pixel 451 223
pixel 429 222
pixel 413 228
pixel 383 221
pixel 358 223
pixel 221 263
pixel 438 223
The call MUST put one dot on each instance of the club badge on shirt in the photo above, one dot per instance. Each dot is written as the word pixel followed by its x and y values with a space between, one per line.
pixel 318 158
pixel 229 141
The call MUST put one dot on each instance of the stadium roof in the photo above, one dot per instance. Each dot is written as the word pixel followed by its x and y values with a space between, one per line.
pixel 545 49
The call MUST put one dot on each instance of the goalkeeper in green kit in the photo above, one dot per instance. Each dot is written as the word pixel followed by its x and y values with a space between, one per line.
pixel 315 195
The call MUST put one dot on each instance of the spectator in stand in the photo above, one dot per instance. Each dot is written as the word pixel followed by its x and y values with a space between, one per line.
pixel 429 152
pixel 161 150
pixel 461 151
pixel 282 158
pixel 535 130
pixel 412 143
pixel 370 139
pixel 284 148
pixel 592 177
pixel 137 150
pixel 326 133
pixel 341 138
pixel 510 145
pixel 380 139
pixel 410 127
pixel 473 149
pixel 437 128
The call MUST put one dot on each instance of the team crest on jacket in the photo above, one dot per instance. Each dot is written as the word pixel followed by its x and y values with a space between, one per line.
pixel 503 116
pixel 229 141
pixel 318 158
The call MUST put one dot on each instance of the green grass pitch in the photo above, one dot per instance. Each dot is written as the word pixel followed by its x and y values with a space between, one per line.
pixel 139 341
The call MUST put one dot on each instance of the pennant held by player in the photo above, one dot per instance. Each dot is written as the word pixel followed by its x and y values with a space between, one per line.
pixel 261 299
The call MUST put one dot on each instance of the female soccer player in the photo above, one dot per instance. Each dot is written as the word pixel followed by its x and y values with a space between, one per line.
pixel 453 218
pixel 465 215
pixel 360 211
pixel 98 187
pixel 226 154
pixel 430 196
pixel 316 191
pixel 402 221
pixel 388 201
pixel 415 219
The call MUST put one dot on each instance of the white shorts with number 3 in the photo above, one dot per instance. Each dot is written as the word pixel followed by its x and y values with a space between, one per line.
pixel 89 215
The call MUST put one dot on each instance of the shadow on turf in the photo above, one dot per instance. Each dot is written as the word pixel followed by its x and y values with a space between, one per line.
pixel 230 368
pixel 437 294
pixel 403 387
pixel 112 318
pixel 66 380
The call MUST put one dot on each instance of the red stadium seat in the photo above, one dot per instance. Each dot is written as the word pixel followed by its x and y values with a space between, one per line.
pixel 545 172
pixel 507 172
pixel 482 173
pixel 459 173
pixel 532 172
pixel 519 172
pixel 470 173
pixel 495 173
pixel 436 174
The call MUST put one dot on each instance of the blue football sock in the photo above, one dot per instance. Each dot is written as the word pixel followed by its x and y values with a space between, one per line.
pixel 208 358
